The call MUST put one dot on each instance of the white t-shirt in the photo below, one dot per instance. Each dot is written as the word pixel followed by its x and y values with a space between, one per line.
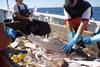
pixel 85 15
pixel 22 7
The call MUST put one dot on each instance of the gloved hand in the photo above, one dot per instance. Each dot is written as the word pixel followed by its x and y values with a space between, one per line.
pixel 67 47
pixel 71 35
pixel 92 40
pixel 11 33
pixel 88 40
pixel 79 38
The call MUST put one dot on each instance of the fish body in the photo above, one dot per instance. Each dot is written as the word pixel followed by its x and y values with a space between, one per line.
pixel 50 44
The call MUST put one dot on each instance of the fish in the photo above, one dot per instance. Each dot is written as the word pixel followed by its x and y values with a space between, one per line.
pixel 56 45
pixel 50 44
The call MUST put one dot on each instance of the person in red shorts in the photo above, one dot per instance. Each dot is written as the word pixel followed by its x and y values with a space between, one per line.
pixel 77 13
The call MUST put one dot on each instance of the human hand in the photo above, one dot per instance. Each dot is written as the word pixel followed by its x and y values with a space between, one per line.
pixel 11 33
pixel 67 47
pixel 29 18
pixel 71 35
pixel 87 40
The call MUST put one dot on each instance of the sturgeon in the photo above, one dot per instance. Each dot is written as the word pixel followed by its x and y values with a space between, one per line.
pixel 55 45
pixel 50 44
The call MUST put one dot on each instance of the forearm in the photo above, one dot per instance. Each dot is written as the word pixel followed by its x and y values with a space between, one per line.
pixel 70 29
pixel 80 29
pixel 22 17
pixel 91 40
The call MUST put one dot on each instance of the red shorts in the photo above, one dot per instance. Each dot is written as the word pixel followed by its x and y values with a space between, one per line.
pixel 74 22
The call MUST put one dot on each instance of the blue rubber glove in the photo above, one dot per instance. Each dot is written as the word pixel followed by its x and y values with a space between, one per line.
pixel 88 40
pixel 67 47
pixel 92 40
pixel 71 35
pixel 96 38
pixel 11 33
pixel 79 38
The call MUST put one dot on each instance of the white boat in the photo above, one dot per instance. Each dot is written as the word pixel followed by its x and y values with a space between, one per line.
pixel 57 28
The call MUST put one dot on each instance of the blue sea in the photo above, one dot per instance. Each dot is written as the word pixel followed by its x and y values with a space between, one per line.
pixel 59 11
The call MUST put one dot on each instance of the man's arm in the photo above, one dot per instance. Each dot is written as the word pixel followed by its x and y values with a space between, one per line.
pixel 82 26
pixel 67 47
pixel 21 17
pixel 84 22
pixel 16 12
pixel 92 40
pixel 68 23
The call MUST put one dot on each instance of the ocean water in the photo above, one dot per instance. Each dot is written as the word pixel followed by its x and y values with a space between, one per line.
pixel 59 11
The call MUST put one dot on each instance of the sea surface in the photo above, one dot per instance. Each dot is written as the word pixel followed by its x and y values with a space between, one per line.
pixel 59 11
